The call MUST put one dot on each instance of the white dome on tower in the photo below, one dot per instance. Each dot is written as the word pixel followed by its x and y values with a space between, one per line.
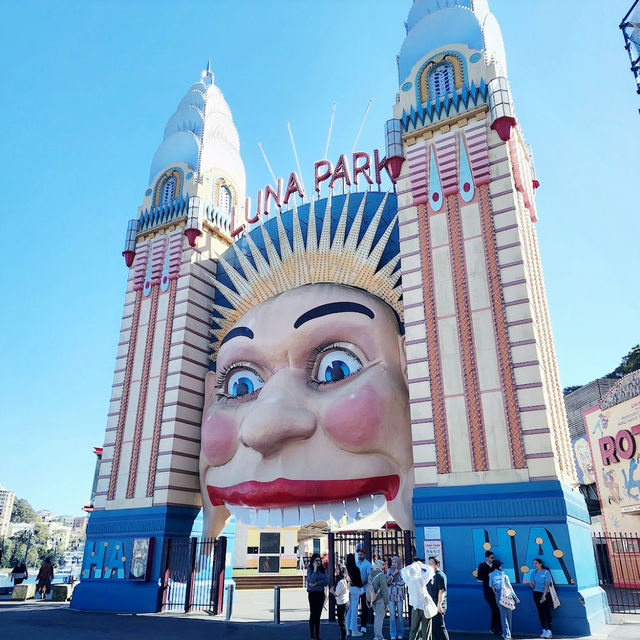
pixel 202 135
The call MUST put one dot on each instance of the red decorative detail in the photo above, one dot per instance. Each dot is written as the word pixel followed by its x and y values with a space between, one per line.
pixel 502 126
pixel 466 187
pixel 394 164
pixel 535 183
pixel 443 455
pixel 192 234
pixel 435 196
pixel 97 451
pixel 128 257
pixel 283 492
pixel 124 402
pixel 164 280
pixel 157 423
pixel 88 508
pixel 142 398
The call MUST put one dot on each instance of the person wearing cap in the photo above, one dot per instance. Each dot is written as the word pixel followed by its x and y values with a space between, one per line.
pixel 365 569
pixel 378 580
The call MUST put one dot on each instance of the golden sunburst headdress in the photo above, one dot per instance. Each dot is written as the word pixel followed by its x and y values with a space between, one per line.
pixel 357 246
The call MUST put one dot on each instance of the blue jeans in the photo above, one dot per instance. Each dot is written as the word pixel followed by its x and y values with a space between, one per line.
pixel 396 629
pixel 352 614
pixel 505 616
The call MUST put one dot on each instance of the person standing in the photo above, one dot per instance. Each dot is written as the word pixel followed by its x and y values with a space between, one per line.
pixel 317 580
pixel 341 594
pixel 540 583
pixel 416 576
pixel 437 588
pixel 502 589
pixel 484 570
pixel 45 576
pixel 355 591
pixel 396 598
pixel 365 569
pixel 19 573
pixel 378 581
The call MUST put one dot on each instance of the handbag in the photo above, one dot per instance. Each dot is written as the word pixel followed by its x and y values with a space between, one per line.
pixel 554 596
pixel 372 594
pixel 506 599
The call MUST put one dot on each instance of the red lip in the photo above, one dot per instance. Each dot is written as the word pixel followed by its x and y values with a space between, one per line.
pixel 285 493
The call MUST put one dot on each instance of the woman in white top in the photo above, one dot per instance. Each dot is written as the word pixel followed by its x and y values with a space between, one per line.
pixel 341 593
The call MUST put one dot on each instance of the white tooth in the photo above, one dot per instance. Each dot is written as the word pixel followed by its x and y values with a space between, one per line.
pixel 240 513
pixel 366 505
pixel 323 511
pixel 290 516
pixel 351 507
pixel 262 518
pixel 251 516
pixel 379 500
pixel 275 517
pixel 306 514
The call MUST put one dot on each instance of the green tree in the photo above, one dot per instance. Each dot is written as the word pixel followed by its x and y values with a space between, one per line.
pixel 24 512
pixel 567 390
pixel 630 362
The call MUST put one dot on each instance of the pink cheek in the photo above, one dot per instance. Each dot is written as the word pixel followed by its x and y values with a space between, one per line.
pixel 219 438
pixel 354 420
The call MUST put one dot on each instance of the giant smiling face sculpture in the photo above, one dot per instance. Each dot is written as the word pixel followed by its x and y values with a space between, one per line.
pixel 308 406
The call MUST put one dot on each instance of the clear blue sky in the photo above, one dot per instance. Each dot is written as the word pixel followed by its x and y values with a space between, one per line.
pixel 87 88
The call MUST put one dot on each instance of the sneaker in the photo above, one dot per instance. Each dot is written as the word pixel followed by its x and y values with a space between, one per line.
pixel 544 633
pixel 363 629
pixel 549 634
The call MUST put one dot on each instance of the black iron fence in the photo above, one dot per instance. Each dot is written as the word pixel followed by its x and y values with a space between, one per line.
pixel 193 574
pixel 618 564
pixel 381 544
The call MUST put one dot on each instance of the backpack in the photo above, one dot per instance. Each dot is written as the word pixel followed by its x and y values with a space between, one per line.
pixel 372 594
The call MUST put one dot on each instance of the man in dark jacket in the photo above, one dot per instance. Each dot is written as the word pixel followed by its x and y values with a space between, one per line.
pixel 437 588
pixel 484 569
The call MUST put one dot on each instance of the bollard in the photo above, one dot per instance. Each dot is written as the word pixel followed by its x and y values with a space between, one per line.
pixel 227 615
pixel 276 604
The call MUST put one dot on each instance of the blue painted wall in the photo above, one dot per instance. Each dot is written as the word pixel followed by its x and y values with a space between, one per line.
pixel 109 534
pixel 518 522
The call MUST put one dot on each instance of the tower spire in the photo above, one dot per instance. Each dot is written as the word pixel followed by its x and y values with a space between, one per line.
pixel 207 73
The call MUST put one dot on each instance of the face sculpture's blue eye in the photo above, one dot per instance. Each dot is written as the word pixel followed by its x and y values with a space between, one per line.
pixel 242 382
pixel 337 365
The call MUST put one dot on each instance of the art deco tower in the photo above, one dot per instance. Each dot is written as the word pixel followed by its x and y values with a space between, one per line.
pixel 492 456
pixel 148 481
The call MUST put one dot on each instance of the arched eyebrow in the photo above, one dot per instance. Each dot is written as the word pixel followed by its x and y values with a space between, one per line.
pixel 237 332
pixel 333 307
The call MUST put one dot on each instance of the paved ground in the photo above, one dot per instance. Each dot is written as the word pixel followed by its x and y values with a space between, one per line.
pixel 252 609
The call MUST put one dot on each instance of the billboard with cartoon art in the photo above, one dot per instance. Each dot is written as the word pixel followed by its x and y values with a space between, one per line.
pixel 613 429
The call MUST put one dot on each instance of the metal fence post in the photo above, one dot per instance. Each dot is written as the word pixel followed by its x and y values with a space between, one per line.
pixel 229 602
pixel 408 551
pixel 191 575
pixel 217 578
pixel 276 604
pixel 166 560
pixel 367 546
pixel 332 576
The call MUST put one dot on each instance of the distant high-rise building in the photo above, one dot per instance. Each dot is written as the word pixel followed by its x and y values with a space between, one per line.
pixel 7 498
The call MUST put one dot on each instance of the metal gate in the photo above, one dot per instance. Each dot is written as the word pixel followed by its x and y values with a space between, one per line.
pixel 193 574
pixel 381 544
pixel 618 564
